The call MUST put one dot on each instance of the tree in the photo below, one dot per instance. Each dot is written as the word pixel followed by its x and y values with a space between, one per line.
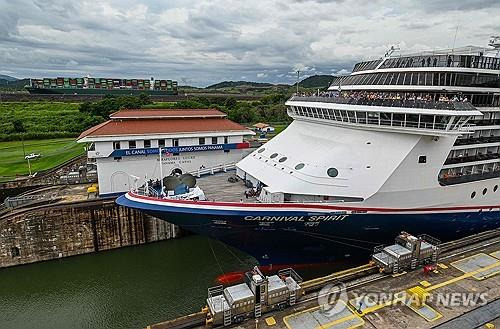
pixel 18 126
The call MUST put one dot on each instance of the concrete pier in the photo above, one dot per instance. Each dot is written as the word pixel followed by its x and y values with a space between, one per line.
pixel 463 291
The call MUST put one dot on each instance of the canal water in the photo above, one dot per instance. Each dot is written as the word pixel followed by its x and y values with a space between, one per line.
pixel 124 288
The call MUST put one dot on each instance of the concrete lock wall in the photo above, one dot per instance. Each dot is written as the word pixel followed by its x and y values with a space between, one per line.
pixel 49 232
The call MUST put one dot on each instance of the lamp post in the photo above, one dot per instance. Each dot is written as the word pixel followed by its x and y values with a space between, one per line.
pixel 298 78
pixel 29 165
pixel 161 172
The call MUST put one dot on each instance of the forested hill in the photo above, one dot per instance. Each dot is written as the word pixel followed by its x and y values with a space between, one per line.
pixel 232 84
pixel 317 81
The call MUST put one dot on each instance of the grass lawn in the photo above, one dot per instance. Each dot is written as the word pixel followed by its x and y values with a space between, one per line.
pixel 53 151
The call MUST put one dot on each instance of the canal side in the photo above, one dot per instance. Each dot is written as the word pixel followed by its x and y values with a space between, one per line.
pixel 54 231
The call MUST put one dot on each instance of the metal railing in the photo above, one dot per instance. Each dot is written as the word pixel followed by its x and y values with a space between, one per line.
pixel 147 190
pixel 421 104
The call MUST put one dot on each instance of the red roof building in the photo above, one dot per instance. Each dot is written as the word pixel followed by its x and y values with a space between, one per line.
pixel 129 143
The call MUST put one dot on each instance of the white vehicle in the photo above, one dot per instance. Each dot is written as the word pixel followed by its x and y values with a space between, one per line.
pixel 32 156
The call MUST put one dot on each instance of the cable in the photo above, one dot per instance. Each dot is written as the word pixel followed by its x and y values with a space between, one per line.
pixel 344 243
pixel 215 257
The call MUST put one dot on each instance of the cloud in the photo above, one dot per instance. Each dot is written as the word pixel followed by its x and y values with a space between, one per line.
pixel 205 41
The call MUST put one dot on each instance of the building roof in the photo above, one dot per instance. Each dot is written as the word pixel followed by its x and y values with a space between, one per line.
pixel 150 126
pixel 261 125
pixel 167 114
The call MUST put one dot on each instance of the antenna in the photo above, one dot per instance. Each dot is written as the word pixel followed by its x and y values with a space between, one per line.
pixel 455 39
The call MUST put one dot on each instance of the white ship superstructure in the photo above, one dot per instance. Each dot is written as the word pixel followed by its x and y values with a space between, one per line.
pixel 402 131
pixel 404 143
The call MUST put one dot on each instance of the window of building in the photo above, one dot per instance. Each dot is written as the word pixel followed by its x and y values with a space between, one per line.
pixel 116 145
pixel 161 143
pixel 422 159
pixel 175 142
pixel 226 139
pixel 147 143
pixel 131 145
pixel 214 140
pixel 201 141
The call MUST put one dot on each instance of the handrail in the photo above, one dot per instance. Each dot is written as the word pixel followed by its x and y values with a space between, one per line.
pixel 457 106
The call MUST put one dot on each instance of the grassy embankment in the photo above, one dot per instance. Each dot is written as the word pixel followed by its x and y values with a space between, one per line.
pixel 53 151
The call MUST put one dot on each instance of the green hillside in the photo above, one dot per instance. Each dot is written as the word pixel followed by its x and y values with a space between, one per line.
pixel 317 81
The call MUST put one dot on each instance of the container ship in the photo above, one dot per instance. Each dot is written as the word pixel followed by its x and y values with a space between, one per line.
pixel 406 142
pixel 99 86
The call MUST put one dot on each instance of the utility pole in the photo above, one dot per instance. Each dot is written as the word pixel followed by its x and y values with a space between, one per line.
pixel 298 77
pixel 161 173
pixel 29 166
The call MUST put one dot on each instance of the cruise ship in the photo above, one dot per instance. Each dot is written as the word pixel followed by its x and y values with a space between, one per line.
pixel 405 142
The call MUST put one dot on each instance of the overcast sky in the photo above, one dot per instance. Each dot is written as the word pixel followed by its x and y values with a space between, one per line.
pixel 200 42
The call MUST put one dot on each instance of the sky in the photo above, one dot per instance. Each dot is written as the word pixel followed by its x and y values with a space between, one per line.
pixel 201 42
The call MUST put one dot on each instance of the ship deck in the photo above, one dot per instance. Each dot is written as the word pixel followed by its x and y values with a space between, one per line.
pixel 217 188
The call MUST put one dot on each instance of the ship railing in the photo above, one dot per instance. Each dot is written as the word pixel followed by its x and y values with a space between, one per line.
pixel 405 103
pixel 147 190
pixel 378 120
pixel 213 170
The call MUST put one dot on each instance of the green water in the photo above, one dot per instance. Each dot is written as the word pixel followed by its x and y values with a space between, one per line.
pixel 125 288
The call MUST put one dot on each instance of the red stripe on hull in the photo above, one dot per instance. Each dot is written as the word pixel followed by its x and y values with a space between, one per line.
pixel 305 206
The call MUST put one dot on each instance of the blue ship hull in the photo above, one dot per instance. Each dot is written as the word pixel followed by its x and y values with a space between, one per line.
pixel 295 237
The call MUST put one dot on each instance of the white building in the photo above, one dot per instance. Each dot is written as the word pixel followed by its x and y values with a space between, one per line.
pixel 127 145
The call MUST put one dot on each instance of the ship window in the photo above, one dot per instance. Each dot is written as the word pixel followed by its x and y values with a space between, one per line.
pixel 201 141
pixel 332 172
pixel 214 140
pixel 485 190
pixel 473 195
pixel 116 145
pixel 283 159
pixel 147 144
pixel 161 143
pixel 495 188
pixel 274 155
pixel 299 166
pixel 226 139
pixel 261 150
pixel 422 159
pixel 175 142
pixel 131 145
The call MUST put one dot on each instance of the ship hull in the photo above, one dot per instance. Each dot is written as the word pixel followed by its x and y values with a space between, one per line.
pixel 95 91
pixel 284 234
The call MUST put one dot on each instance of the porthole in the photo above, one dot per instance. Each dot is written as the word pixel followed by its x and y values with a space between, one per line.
pixel 473 195
pixel 274 155
pixel 283 159
pixel 261 150
pixel 495 188
pixel 485 190
pixel 299 166
pixel 332 172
